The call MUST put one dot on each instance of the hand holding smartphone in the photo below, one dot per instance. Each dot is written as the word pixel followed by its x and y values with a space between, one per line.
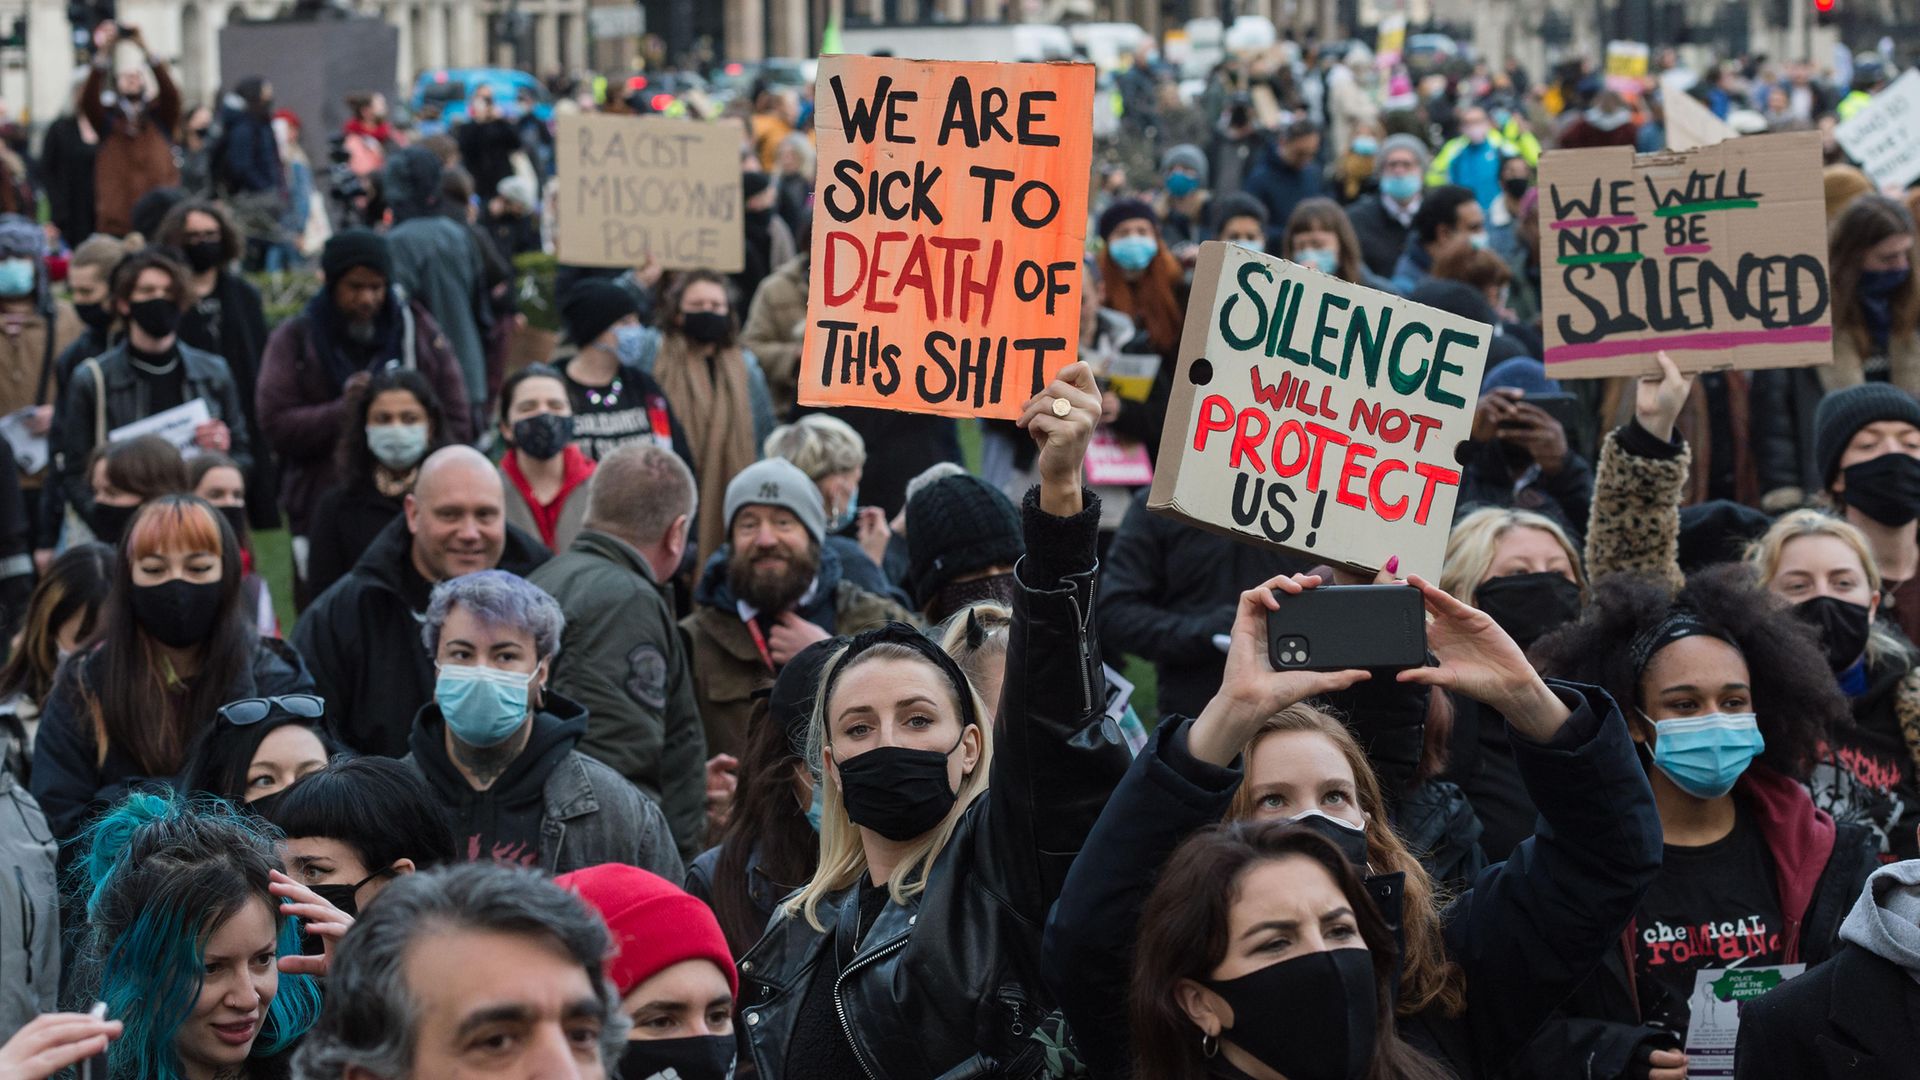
pixel 1340 627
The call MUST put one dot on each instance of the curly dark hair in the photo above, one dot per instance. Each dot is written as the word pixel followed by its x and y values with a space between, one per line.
pixel 1794 694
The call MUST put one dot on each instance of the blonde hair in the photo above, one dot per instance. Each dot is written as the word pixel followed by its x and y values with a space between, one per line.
pixel 1476 537
pixel 818 445
pixel 1428 978
pixel 843 860
pixel 994 621
pixel 1883 644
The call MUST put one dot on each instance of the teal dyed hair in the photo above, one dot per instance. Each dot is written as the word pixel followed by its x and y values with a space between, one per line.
pixel 160 874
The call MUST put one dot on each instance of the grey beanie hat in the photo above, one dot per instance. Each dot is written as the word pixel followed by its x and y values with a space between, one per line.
pixel 778 482
pixel 1186 156
pixel 1403 141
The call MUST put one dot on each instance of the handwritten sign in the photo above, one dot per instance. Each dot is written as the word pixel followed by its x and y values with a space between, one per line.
pixel 1317 415
pixel 1717 255
pixel 948 231
pixel 176 425
pixel 634 187
pixel 1691 124
pixel 1884 136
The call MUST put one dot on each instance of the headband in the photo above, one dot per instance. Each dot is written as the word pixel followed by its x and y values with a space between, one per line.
pixel 899 633
pixel 1678 623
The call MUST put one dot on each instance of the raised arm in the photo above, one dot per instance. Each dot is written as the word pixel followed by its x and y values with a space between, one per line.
pixel 1635 524
pixel 1056 755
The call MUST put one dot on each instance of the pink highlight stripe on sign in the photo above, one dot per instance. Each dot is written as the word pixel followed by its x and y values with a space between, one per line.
pixel 1732 339
pixel 1690 249
pixel 1588 223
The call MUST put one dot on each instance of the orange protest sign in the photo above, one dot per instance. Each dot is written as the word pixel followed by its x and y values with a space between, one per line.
pixel 948 233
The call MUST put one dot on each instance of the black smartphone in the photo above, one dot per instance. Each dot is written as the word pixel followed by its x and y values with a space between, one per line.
pixel 1564 408
pixel 1335 627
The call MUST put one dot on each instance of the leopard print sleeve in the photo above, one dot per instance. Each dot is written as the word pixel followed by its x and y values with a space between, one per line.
pixel 1635 524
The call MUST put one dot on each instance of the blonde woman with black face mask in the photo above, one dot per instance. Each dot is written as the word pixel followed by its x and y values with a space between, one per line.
pixel 946 829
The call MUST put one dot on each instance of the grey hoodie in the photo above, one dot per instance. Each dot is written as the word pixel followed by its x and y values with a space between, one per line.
pixel 1885 921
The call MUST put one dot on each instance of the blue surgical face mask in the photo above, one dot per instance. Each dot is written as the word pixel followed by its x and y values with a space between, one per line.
pixel 398 446
pixel 1365 145
pixel 845 517
pixel 483 706
pixel 1250 244
pixel 818 806
pixel 1479 240
pixel 1133 253
pixel 1400 188
pixel 16 277
pixel 1180 184
pixel 1705 755
pixel 1324 260
pixel 629 342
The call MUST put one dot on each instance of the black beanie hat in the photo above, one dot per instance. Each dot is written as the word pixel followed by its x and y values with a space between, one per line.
pixel 349 248
pixel 1123 211
pixel 593 305
pixel 790 698
pixel 956 526
pixel 1844 412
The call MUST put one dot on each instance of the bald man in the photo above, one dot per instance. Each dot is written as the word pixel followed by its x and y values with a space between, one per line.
pixel 361 637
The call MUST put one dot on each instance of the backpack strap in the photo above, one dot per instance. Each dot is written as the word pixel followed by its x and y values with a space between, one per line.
pixel 92 364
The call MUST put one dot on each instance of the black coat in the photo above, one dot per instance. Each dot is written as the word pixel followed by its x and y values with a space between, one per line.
pixel 1167 588
pixel 1382 237
pixel 1855 1016
pixel 73 780
pixel 947 983
pixel 231 323
pixel 1781 404
pixel 1526 931
pixel 344 524
pixel 362 640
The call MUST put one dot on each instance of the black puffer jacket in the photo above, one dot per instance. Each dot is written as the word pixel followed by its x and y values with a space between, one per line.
pixel 949 984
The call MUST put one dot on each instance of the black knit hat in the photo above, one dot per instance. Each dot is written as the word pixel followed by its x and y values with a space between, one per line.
pixel 593 305
pixel 956 526
pixel 1844 412
pixel 1123 211
pixel 790 698
pixel 349 248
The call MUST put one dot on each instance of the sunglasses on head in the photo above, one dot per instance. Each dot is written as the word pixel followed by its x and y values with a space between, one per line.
pixel 248 711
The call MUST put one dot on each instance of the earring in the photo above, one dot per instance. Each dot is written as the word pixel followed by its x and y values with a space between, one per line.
pixel 1209 1046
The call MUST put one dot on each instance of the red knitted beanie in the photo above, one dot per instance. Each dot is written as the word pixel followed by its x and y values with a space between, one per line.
pixel 655 923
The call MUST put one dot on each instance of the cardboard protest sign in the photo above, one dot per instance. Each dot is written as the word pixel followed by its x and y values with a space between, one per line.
pixel 638 186
pixel 1317 415
pixel 1717 255
pixel 1884 136
pixel 948 230
pixel 1691 124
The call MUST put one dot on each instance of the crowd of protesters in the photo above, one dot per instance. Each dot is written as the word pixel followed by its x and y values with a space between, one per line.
pixel 634 717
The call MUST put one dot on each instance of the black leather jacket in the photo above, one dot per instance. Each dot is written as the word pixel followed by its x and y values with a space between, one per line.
pixel 961 995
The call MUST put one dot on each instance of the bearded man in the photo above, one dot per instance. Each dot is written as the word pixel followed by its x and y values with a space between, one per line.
pixel 770 592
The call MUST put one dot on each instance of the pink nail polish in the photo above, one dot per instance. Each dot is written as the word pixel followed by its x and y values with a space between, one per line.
pixel 1393 564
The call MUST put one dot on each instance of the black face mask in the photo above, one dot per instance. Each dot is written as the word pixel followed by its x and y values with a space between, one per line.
pixel 339 893
pixel 1308 1018
pixel 178 613
pixel 109 522
pixel 707 327
pixel 159 316
pixel 1529 606
pixel 1886 488
pixel 1351 840
pixel 1515 187
pixel 697 1057
pixel 96 316
pixel 540 437
pixel 1843 628
pixel 236 520
pixel 897 792
pixel 263 806
pixel 204 255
